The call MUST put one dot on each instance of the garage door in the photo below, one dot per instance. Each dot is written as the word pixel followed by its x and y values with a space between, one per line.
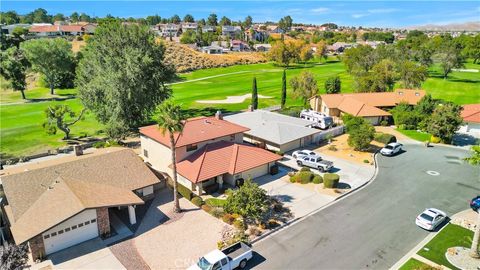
pixel 256 172
pixel 75 230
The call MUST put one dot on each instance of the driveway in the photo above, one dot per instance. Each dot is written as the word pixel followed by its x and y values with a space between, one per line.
pixel 92 254
pixel 300 200
pixel 166 240
pixel 374 227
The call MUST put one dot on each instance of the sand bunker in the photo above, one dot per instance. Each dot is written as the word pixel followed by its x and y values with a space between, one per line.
pixel 230 99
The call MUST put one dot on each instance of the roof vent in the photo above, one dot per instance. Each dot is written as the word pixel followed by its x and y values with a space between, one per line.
pixel 417 94
pixel 400 92
pixel 207 122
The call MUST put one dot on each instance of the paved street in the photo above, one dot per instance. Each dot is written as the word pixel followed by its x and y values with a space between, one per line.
pixel 374 227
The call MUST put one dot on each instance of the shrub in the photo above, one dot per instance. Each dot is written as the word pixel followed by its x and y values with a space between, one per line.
pixel 434 139
pixel 293 178
pixel 332 148
pixel 254 231
pixel 384 123
pixel 384 138
pixel 330 180
pixel 250 201
pixel 198 201
pixel 305 177
pixel 360 137
pixel 100 144
pixel 185 192
pixel 217 212
pixel 239 224
pixel 272 223
pixel 206 208
pixel 215 202
pixel 317 179
pixel 228 218
pixel 305 169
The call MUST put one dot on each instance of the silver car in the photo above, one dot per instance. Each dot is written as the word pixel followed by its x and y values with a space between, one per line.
pixel 430 219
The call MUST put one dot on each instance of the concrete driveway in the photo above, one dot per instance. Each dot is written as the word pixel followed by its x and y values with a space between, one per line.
pixel 92 254
pixel 300 200
pixel 166 240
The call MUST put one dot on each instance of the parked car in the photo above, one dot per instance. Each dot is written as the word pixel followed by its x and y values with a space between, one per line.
pixel 430 219
pixel 475 203
pixel 303 153
pixel 228 258
pixel 391 149
pixel 319 120
pixel 315 162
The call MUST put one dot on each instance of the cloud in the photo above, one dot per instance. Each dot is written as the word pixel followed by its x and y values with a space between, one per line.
pixel 320 10
pixel 359 15
pixel 382 10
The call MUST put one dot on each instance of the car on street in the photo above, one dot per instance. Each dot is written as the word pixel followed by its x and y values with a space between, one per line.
pixel 475 203
pixel 430 219
pixel 391 149
pixel 303 153
pixel 231 257
pixel 315 162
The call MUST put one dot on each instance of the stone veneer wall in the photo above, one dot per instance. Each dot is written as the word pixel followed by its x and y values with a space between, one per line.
pixel 103 222
pixel 37 247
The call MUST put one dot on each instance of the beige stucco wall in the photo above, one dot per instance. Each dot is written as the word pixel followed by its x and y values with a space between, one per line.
pixel 291 145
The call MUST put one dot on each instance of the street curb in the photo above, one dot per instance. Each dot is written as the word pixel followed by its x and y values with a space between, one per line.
pixel 295 220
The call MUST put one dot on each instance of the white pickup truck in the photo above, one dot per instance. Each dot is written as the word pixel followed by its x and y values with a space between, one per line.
pixel 228 258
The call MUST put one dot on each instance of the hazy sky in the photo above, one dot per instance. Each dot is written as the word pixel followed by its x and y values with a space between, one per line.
pixel 351 13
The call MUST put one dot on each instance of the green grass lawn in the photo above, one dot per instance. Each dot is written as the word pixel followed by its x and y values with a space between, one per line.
pixel 450 236
pixel 413 264
pixel 21 123
pixel 214 202
pixel 416 135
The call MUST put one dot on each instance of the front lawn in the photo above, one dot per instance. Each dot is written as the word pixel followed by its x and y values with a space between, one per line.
pixel 214 202
pixel 451 236
pixel 413 264
pixel 416 135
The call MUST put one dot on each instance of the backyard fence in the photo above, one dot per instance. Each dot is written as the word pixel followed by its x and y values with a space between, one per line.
pixel 322 136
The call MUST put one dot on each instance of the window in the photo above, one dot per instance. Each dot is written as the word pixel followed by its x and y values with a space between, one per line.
pixel 46 236
pixel 145 153
pixel 192 147
pixel 224 261
pixel 87 222
pixel 67 229
pixel 53 234
pixel 80 225
pixel 93 220
pixel 60 232
pixel 232 137
pixel 217 266
pixel 74 227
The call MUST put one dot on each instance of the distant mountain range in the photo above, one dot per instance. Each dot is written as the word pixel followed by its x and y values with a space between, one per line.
pixel 466 26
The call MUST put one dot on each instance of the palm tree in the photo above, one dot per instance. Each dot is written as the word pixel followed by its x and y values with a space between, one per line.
pixel 475 241
pixel 170 119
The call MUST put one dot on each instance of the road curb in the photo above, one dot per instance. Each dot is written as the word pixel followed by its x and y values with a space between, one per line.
pixel 295 220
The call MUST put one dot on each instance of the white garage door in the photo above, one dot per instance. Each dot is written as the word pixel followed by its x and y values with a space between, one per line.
pixel 256 172
pixel 75 230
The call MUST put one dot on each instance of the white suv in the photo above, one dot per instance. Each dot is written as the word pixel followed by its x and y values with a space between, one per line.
pixel 391 149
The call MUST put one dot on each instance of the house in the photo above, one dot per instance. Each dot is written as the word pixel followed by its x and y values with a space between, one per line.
pixel 212 49
pixel 208 29
pixel 189 26
pixel 169 30
pixel 274 131
pixel 8 29
pixel 231 31
pixel 209 152
pixel 62 30
pixel 339 47
pixel 371 106
pixel 274 29
pixel 256 35
pixel 238 46
pixel 262 47
pixel 59 203
pixel 471 118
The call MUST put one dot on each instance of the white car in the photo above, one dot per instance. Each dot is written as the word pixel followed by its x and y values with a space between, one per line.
pixel 430 219
pixel 303 153
pixel 391 149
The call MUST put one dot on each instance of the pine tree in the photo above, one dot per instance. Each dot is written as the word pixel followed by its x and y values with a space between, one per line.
pixel 284 90
pixel 254 94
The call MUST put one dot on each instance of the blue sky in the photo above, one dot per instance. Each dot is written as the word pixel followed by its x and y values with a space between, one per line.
pixel 351 13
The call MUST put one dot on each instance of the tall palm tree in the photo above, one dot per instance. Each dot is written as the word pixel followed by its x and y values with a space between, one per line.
pixel 475 241
pixel 170 119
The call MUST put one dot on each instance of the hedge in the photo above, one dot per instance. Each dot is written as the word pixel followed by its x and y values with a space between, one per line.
pixel 330 180
pixel 317 179
pixel 305 169
pixel 305 177
pixel 384 138
pixel 198 201
pixel 185 192
pixel 215 202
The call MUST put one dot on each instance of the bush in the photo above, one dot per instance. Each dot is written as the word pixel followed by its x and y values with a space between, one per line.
pixel 198 201
pixel 206 208
pixel 100 144
pixel 216 212
pixel 305 177
pixel 366 161
pixel 185 192
pixel 254 231
pixel 239 224
pixel 293 178
pixel 215 202
pixel 384 123
pixel 332 148
pixel 305 169
pixel 330 180
pixel 317 179
pixel 434 139
pixel 228 218
pixel 384 138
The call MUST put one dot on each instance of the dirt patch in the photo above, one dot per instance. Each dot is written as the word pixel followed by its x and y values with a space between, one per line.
pixel 340 148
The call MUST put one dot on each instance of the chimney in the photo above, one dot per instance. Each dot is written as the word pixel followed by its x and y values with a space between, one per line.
pixel 78 150
pixel 218 115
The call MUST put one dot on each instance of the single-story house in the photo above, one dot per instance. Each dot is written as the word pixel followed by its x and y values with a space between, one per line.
pixel 62 30
pixel 262 47
pixel 209 152
pixel 56 204
pixel 371 106
pixel 275 131
pixel 8 29
pixel 212 49
pixel 471 117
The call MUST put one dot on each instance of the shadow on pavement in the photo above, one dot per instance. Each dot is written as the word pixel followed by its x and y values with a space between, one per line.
pixel 256 260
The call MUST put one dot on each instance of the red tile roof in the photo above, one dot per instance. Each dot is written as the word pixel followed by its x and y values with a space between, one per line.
pixel 471 113
pixel 223 157
pixel 195 130
pixel 58 28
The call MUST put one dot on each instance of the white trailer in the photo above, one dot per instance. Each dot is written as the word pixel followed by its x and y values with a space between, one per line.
pixel 319 120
